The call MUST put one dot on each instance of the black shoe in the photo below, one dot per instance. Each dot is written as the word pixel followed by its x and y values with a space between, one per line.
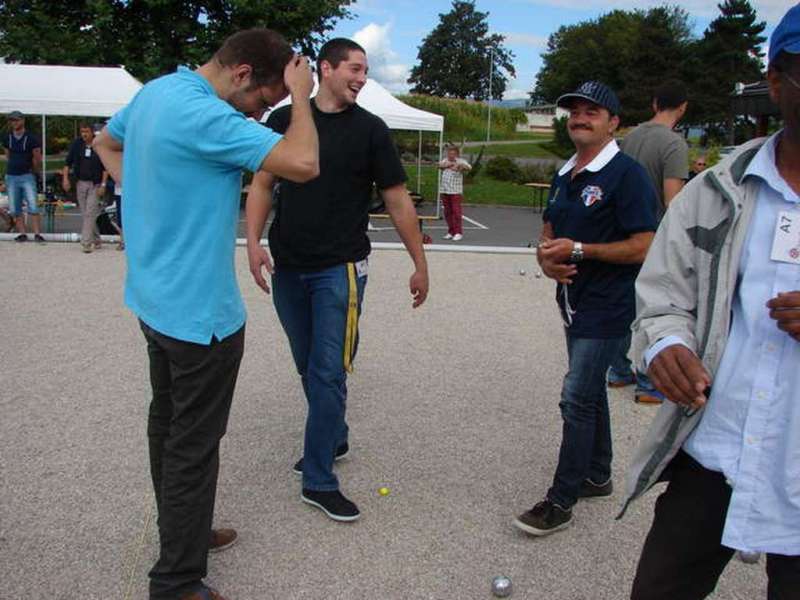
pixel 39 238
pixel 22 237
pixel 341 452
pixel 333 504
pixel 544 518
pixel 590 489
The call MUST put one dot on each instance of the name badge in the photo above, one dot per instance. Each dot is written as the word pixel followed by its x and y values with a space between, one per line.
pixel 786 244
pixel 361 268
pixel 87 152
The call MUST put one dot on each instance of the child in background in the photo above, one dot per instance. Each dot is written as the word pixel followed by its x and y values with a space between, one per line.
pixel 452 189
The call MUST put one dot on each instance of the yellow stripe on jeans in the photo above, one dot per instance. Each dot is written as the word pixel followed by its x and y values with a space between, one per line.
pixel 351 329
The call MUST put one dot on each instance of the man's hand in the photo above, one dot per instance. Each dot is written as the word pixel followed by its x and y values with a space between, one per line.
pixel 101 190
pixel 679 374
pixel 65 183
pixel 418 285
pixel 561 272
pixel 556 251
pixel 785 309
pixel 297 77
pixel 258 257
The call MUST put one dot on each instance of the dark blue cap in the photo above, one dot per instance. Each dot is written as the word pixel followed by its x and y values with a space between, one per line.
pixel 786 36
pixel 596 92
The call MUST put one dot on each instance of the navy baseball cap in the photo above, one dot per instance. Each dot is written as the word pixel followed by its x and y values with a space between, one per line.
pixel 15 114
pixel 786 36
pixel 593 91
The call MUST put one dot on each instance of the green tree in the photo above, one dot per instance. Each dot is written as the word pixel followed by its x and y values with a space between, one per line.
pixel 630 51
pixel 152 37
pixel 454 58
pixel 729 53
pixel 659 53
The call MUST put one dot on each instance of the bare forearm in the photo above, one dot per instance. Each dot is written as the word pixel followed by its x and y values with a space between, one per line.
pixel 302 136
pixel 257 208
pixel 626 252
pixel 404 217
pixel 110 153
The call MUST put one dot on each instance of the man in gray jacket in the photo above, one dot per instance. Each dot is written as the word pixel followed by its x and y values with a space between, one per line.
pixel 718 327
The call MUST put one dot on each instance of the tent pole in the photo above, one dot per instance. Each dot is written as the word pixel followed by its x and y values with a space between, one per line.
pixel 439 175
pixel 419 162
pixel 44 154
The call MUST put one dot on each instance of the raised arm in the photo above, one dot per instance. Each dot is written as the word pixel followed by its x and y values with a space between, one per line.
pixel 110 152
pixel 296 156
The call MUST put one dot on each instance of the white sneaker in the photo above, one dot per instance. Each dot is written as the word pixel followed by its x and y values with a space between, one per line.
pixel 458 237
pixel 447 236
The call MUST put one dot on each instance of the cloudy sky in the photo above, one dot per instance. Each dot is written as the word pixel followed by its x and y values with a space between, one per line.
pixel 392 30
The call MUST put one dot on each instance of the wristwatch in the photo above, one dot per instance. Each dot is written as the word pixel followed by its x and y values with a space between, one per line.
pixel 577 252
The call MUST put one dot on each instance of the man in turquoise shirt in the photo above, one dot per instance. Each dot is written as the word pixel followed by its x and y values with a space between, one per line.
pixel 179 149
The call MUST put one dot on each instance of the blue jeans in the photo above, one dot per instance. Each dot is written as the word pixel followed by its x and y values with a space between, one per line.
pixel 21 187
pixel 586 439
pixel 620 369
pixel 312 308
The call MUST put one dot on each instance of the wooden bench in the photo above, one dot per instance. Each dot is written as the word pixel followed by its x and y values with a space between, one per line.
pixel 540 193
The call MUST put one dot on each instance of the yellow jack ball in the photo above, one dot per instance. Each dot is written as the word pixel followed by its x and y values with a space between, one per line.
pixel 384 491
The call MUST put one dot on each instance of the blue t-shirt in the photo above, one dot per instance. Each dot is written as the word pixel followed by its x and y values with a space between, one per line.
pixel 184 151
pixel 599 207
pixel 20 153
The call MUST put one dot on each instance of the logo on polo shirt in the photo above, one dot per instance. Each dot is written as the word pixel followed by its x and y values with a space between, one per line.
pixel 591 194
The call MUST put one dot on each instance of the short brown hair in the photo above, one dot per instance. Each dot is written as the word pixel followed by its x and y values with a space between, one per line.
pixel 336 50
pixel 266 51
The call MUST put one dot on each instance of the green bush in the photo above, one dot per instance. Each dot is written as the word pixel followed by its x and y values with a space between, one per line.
pixel 503 168
pixel 536 173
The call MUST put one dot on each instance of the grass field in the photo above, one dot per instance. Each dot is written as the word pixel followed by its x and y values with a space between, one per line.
pixel 482 190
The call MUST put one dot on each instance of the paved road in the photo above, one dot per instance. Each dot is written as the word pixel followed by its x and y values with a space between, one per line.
pixel 483 226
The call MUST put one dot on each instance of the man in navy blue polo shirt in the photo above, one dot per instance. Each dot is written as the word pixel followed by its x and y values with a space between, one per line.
pixel 598 225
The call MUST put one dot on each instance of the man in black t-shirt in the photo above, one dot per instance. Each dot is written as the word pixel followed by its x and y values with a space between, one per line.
pixel 85 166
pixel 320 246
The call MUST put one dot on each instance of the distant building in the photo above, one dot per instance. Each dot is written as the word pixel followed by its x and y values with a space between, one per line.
pixel 540 118
pixel 752 100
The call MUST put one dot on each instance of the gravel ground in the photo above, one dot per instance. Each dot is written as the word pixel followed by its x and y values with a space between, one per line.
pixel 452 406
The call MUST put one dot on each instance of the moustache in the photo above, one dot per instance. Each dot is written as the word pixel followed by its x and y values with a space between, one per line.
pixel 586 127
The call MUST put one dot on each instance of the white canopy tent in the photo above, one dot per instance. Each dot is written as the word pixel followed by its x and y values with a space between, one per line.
pixel 66 91
pixel 397 115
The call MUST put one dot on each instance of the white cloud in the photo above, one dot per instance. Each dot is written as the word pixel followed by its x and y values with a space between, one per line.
pixel 769 10
pixel 525 39
pixel 384 64
pixel 516 94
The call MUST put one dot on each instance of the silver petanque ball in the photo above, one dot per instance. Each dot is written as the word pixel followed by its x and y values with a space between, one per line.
pixel 538 275
pixel 502 587
pixel 749 558
pixel 522 272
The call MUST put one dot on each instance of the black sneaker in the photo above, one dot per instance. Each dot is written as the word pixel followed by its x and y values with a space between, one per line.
pixel 22 237
pixel 39 238
pixel 544 518
pixel 333 504
pixel 341 452
pixel 590 489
